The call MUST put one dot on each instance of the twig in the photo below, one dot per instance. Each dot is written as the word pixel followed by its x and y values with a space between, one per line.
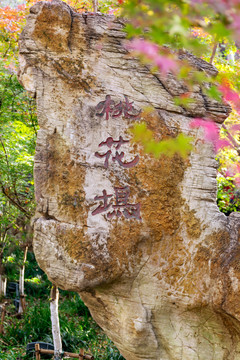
pixel 4 342
pixel 213 52
pixel 233 141
pixel 14 202
pixel 5 152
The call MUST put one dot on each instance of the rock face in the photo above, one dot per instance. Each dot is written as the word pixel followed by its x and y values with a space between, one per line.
pixel 140 239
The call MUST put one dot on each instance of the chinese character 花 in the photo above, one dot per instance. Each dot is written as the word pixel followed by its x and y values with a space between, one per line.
pixel 118 157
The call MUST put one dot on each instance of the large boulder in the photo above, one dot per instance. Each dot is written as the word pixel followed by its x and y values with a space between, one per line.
pixel 140 239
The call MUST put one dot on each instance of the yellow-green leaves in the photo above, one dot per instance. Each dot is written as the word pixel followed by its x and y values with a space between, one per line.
pixel 180 145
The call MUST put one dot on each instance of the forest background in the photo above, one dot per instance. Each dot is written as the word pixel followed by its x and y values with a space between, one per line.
pixel 208 29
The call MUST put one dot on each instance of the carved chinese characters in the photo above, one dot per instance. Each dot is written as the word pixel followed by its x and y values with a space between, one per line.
pixel 118 156
pixel 124 108
pixel 116 205
pixel 121 206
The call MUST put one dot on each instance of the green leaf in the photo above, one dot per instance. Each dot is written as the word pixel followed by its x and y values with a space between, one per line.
pixel 214 93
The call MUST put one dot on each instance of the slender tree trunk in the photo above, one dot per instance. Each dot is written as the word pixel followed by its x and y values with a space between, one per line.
pixel 4 286
pixel 3 279
pixel 57 341
pixel 22 304
pixel 3 313
pixel 215 45
pixel 95 5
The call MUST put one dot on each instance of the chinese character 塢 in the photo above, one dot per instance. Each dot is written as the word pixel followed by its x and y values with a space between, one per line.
pixel 105 205
pixel 121 206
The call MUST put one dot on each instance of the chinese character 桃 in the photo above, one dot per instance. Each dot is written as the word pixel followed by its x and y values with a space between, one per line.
pixel 125 108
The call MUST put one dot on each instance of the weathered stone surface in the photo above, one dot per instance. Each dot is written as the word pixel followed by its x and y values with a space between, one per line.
pixel 166 286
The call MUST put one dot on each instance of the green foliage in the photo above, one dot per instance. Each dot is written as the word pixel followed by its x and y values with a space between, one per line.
pixel 12 354
pixel 206 30
pixel 18 126
pixel 171 23
pixel 73 305
pixel 180 145
pixel 168 23
pixel 229 171
pixel 34 280
pixel 78 330
pixel 35 325
pixel 213 93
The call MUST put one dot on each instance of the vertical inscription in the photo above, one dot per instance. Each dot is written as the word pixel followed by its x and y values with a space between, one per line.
pixel 116 205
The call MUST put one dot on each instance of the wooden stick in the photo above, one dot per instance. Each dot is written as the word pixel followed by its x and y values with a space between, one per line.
pixel 81 354
pixel 71 355
pixel 37 351
pixel 231 138
pixel 23 302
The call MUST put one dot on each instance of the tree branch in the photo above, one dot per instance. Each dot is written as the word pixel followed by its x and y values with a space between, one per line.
pixel 233 141
pixel 14 202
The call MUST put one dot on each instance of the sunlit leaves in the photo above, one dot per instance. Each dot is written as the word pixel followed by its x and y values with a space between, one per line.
pixel 168 147
pixel 207 29
pixel 13 19
pixel 219 31
pixel 183 100
pixel 214 92
pixel 18 126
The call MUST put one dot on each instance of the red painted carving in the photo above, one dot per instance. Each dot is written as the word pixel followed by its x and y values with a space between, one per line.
pixel 124 108
pixel 122 195
pixel 118 156
pixel 106 155
pixel 128 109
pixel 105 206
pixel 105 107
pixel 121 206
pixel 110 142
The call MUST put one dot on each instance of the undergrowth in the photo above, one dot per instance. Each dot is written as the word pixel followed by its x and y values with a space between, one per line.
pixel 78 329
